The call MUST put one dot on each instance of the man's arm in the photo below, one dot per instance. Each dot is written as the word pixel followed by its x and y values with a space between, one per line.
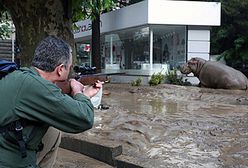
pixel 40 100
pixel 85 80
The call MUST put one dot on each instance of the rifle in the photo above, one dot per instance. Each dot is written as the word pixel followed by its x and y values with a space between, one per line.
pixel 89 79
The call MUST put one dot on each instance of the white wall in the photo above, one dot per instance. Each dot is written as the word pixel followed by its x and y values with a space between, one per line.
pixel 198 44
pixel 184 12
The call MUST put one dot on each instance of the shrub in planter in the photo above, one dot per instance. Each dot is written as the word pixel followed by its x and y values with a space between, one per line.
pixel 156 79
pixel 136 82
pixel 172 78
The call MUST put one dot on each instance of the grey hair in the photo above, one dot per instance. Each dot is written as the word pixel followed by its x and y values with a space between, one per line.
pixel 51 52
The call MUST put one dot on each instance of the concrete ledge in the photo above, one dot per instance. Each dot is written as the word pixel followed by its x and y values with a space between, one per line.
pixel 123 161
pixel 100 152
pixel 70 159
pixel 107 152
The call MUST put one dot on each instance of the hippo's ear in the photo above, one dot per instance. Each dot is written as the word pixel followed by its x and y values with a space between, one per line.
pixel 193 61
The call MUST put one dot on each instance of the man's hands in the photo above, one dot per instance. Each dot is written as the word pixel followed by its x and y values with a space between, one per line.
pixel 90 91
pixel 93 90
pixel 76 87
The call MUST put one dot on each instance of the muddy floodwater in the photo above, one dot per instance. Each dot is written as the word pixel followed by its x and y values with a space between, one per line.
pixel 175 126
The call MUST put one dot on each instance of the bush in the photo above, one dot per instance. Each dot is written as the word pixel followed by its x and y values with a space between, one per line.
pixel 156 79
pixel 172 78
pixel 137 82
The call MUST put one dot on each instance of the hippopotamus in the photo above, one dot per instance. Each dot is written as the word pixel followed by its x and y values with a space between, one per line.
pixel 216 75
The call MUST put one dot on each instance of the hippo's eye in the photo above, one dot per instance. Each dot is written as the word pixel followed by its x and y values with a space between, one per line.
pixel 190 63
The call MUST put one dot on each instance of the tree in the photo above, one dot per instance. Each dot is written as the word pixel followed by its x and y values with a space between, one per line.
pixel 5 26
pixel 34 20
pixel 93 9
pixel 231 38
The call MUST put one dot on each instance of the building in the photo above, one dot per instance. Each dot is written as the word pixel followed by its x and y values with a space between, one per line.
pixel 150 36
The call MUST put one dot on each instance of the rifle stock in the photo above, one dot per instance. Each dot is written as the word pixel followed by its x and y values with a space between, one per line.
pixel 84 79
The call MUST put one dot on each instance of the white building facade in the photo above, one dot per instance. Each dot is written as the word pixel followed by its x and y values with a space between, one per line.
pixel 150 36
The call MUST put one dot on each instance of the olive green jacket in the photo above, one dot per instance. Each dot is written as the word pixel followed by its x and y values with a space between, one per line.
pixel 26 95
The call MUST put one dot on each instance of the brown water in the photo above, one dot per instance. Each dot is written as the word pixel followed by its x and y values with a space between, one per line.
pixel 176 126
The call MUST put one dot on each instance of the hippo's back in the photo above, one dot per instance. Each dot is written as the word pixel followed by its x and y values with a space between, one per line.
pixel 218 75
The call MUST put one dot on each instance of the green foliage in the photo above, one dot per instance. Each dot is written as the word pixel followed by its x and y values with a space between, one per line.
pixel 230 40
pixel 5 29
pixel 85 9
pixel 91 8
pixel 5 26
pixel 136 82
pixel 172 78
pixel 77 11
pixel 156 79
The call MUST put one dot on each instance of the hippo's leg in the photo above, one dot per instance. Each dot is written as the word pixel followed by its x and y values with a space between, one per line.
pixel 202 85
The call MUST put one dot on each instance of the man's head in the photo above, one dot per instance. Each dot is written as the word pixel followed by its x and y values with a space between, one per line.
pixel 53 55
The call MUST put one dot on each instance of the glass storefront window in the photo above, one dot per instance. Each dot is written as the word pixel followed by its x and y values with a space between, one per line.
pixel 111 51
pixel 169 45
pixel 126 49
pixel 130 48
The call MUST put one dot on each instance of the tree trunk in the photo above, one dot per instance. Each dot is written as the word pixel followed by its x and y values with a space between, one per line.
pixel 95 41
pixel 34 20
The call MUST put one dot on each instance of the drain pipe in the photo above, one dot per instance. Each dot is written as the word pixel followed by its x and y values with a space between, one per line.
pixel 13 42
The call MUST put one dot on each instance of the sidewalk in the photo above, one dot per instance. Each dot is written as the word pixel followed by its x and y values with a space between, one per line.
pixel 69 159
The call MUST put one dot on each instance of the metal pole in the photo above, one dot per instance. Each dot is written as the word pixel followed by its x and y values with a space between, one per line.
pixel 111 49
pixel 151 48
pixel 13 42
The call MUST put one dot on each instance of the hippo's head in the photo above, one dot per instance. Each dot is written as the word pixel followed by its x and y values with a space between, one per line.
pixel 185 69
pixel 194 65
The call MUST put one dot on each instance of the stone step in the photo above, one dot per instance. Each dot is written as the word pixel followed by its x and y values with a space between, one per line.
pixel 6 56
pixel 5 51
pixel 5 40
pixel 5 44
pixel 5 47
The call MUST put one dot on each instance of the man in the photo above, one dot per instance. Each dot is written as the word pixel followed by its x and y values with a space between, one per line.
pixel 31 100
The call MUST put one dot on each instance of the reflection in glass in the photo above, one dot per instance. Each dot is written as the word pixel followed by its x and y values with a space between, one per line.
pixel 83 54
pixel 169 45
pixel 126 49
